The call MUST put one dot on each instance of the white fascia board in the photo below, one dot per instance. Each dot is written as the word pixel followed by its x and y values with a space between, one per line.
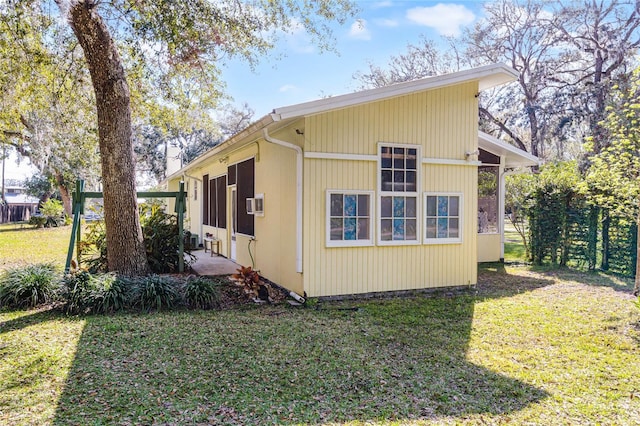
pixel 487 76
pixel 514 157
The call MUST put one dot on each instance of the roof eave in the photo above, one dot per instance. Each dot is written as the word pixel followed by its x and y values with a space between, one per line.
pixel 515 157
pixel 247 133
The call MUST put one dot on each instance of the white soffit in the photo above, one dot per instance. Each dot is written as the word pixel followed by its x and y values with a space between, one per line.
pixel 514 157
pixel 487 76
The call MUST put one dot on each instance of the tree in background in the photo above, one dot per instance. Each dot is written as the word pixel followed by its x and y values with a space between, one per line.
pixel 47 112
pixel 176 47
pixel 518 191
pixel 613 177
pixel 421 60
pixel 518 34
pixel 569 54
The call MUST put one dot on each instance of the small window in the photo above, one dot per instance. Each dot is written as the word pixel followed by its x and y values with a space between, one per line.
pixel 250 205
pixel 443 213
pixel 349 218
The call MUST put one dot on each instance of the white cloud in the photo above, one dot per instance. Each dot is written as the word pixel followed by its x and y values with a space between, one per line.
pixel 359 30
pixel 288 88
pixel 446 19
pixel 389 23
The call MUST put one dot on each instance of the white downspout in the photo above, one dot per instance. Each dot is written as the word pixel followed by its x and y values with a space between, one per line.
pixel 201 235
pixel 298 151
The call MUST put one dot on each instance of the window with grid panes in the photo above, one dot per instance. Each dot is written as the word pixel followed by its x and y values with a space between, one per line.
pixel 443 214
pixel 349 218
pixel 398 197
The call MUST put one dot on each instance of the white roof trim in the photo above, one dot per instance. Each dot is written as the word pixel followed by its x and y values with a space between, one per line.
pixel 487 76
pixel 514 157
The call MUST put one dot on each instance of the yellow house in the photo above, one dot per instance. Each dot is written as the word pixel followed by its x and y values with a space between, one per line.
pixel 367 192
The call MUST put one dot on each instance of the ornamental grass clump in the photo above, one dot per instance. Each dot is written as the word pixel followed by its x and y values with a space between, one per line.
pixel 80 288
pixel 29 286
pixel 155 292
pixel 202 293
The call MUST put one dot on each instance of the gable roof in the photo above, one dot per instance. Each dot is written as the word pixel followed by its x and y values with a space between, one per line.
pixel 514 157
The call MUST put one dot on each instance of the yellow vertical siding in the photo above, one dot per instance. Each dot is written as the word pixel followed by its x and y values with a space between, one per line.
pixel 444 123
pixel 489 246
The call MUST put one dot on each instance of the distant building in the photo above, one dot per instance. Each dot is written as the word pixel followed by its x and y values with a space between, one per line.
pixel 19 206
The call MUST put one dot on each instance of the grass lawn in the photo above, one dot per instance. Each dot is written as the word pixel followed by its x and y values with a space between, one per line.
pixel 22 244
pixel 513 247
pixel 556 347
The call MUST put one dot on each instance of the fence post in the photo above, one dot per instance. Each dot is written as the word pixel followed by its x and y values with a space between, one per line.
pixel 78 201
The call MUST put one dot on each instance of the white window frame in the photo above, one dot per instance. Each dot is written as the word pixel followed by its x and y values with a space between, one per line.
pixel 249 202
pixel 349 243
pixel 258 205
pixel 415 194
pixel 436 240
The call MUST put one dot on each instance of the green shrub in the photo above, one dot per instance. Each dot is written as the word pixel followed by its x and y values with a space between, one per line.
pixel 202 293
pixel 93 247
pixel 29 286
pixel 114 295
pixel 53 212
pixel 38 221
pixel 161 240
pixel 154 293
pixel 95 293
pixel 80 288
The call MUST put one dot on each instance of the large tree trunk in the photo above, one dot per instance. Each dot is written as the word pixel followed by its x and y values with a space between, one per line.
pixel 125 247
pixel 64 194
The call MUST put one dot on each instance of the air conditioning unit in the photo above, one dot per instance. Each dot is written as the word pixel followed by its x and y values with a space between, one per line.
pixel 255 206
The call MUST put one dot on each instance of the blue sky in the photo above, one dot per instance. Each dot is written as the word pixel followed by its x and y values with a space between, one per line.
pixel 382 29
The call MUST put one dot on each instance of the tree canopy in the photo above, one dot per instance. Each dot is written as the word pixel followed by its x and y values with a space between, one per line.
pixel 155 59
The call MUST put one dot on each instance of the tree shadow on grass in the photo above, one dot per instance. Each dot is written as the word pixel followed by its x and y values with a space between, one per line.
pixel 494 281
pixel 594 278
pixel 32 317
pixel 390 359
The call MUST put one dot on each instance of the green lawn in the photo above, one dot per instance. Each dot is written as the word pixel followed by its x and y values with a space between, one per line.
pixel 547 347
pixel 557 347
pixel 22 244
pixel 513 247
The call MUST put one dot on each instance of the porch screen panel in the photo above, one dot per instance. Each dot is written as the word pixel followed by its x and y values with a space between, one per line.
pixel 231 172
pixel 205 199
pixel 213 212
pixel 221 198
pixel 245 189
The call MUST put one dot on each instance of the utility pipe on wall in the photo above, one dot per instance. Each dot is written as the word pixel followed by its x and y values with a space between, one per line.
pixel 298 151
pixel 184 175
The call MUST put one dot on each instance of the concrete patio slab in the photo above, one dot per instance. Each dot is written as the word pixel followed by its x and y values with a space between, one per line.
pixel 208 265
